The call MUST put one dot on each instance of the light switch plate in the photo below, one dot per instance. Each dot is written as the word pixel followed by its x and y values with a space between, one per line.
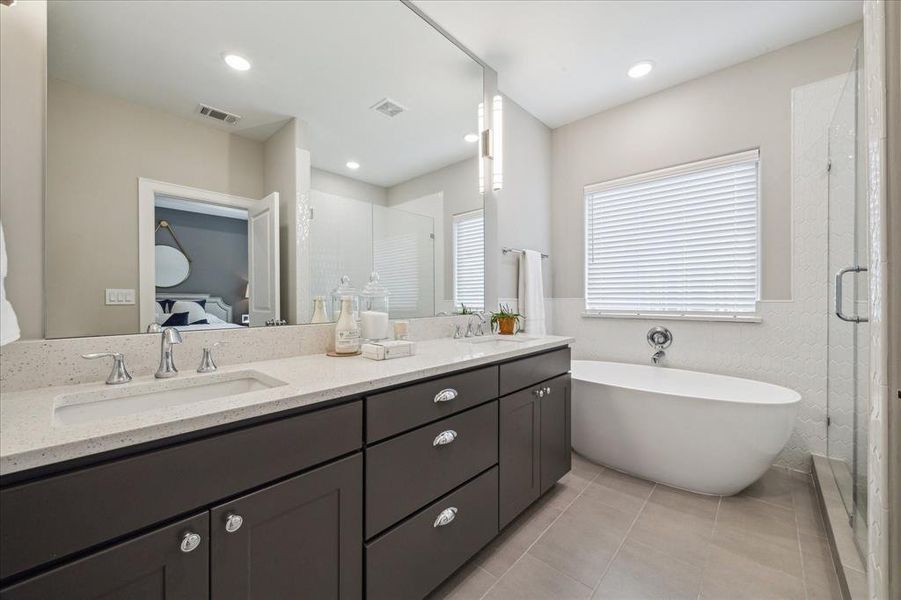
pixel 117 296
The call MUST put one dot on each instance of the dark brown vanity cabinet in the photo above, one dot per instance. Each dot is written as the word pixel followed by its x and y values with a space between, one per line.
pixel 301 538
pixel 534 443
pixel 170 563
pixel 337 502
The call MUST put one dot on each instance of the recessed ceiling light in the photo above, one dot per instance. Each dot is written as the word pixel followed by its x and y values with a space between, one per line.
pixel 471 137
pixel 236 62
pixel 640 69
pixel 353 165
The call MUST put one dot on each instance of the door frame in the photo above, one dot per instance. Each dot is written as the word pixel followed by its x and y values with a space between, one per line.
pixel 147 192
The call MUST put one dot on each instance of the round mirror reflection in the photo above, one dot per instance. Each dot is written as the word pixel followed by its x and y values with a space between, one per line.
pixel 172 267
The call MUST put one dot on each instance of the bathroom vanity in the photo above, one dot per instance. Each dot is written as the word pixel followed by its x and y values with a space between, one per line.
pixel 381 493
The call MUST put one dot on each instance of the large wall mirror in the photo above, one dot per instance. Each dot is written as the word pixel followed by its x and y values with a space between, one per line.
pixel 225 164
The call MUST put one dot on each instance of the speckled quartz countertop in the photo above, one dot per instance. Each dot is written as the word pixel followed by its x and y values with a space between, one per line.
pixel 32 435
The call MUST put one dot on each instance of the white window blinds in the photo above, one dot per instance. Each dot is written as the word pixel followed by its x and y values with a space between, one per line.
pixel 469 260
pixel 681 240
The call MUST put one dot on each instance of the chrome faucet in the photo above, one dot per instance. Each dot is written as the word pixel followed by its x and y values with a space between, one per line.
pixel 659 338
pixel 167 369
pixel 120 373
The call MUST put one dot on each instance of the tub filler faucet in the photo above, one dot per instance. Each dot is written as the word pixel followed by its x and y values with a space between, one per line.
pixel 659 338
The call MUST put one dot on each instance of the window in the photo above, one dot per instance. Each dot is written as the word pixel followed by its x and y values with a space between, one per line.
pixel 680 241
pixel 469 260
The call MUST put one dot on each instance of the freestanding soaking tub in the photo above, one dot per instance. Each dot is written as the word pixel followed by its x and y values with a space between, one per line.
pixel 696 431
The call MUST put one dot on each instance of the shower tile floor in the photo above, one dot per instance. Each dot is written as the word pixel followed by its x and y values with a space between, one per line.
pixel 602 534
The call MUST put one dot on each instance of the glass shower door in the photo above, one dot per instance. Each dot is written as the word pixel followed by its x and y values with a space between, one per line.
pixel 848 332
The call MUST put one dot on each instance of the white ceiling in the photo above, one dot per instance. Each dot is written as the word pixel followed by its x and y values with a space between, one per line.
pixel 326 63
pixel 563 60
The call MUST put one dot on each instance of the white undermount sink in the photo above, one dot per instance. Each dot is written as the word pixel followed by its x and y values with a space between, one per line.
pixel 129 399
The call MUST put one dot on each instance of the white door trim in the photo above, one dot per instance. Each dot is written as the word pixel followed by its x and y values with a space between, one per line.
pixel 147 192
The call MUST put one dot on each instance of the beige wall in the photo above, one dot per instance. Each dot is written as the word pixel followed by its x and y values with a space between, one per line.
pixel 23 60
pixel 744 106
pixel 97 148
pixel 459 186
pixel 524 205
pixel 340 185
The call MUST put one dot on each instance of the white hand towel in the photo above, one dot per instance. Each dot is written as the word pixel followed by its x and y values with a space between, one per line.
pixel 9 324
pixel 531 292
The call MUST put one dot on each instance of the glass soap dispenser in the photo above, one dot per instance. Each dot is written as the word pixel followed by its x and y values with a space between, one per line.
pixel 345 290
pixel 374 309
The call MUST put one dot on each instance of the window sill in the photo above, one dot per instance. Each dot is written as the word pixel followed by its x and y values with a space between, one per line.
pixel 732 318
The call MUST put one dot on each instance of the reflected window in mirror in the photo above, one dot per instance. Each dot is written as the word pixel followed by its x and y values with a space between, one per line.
pixel 469 261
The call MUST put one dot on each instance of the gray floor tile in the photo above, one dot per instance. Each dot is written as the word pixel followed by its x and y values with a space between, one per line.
pixel 731 577
pixel 532 579
pixel 584 539
pixel 516 538
pixel 584 468
pixel 639 571
pixel 760 517
pixel 674 532
pixel 777 552
pixel 469 583
pixel 775 487
pixel 620 491
pixel 695 505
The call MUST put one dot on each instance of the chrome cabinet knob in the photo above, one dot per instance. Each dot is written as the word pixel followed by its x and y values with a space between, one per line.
pixel 445 395
pixel 189 542
pixel 540 392
pixel 445 437
pixel 547 390
pixel 446 517
pixel 233 522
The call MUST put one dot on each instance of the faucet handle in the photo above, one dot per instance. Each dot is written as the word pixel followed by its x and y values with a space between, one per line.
pixel 206 363
pixel 119 374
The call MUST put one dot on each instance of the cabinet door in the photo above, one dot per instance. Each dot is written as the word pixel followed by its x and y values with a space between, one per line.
pixel 161 564
pixel 518 457
pixel 301 538
pixel 556 443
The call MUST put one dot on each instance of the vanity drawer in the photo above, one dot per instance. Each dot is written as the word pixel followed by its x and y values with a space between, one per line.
pixel 405 473
pixel 412 559
pixel 520 374
pixel 392 412
pixel 51 518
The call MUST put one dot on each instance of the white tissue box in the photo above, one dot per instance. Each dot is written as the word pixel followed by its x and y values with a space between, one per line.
pixel 388 349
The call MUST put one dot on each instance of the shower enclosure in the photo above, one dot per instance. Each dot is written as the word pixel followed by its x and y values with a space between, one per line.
pixel 848 330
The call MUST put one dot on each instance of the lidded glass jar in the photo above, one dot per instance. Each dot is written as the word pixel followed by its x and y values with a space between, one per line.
pixel 374 309
pixel 345 289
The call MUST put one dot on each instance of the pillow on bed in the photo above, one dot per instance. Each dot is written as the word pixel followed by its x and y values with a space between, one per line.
pixel 194 310
pixel 213 319
pixel 165 306
pixel 175 319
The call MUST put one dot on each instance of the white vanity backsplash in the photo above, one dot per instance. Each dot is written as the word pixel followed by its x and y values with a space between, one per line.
pixel 32 364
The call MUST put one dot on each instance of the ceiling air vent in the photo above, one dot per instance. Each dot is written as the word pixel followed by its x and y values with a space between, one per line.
pixel 219 115
pixel 389 107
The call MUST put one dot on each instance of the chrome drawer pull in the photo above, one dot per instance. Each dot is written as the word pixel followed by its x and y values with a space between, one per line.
pixel 445 437
pixel 447 515
pixel 445 395
pixel 233 522
pixel 190 542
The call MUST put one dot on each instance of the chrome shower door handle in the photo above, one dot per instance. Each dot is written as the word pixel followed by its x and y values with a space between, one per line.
pixel 838 295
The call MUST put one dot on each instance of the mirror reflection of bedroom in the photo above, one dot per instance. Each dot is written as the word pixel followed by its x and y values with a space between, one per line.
pixel 214 168
pixel 200 247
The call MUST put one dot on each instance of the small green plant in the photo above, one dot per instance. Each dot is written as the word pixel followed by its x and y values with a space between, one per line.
pixel 465 310
pixel 507 321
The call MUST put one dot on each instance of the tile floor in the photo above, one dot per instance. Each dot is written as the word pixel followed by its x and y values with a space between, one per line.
pixel 603 534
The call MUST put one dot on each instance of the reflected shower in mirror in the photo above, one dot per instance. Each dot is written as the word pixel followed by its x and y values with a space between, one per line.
pixel 226 197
